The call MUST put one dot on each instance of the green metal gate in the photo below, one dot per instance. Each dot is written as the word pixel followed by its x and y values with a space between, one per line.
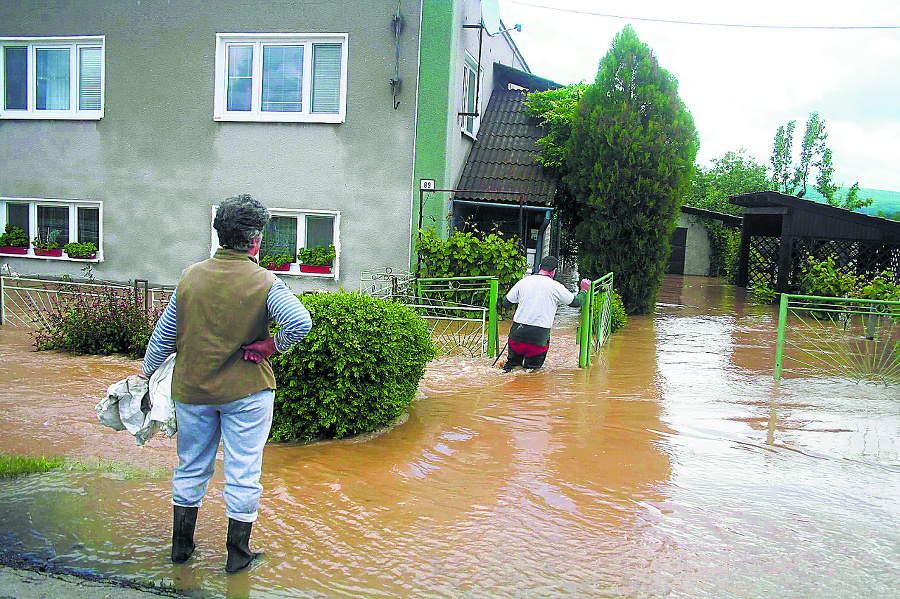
pixel 595 319
pixel 855 339
pixel 460 311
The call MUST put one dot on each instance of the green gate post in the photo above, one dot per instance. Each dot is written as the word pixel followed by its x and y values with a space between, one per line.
pixel 493 332
pixel 779 344
pixel 584 335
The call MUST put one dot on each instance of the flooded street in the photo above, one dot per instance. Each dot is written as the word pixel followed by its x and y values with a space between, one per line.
pixel 673 466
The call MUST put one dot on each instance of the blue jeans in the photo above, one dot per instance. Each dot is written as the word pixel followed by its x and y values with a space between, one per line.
pixel 244 426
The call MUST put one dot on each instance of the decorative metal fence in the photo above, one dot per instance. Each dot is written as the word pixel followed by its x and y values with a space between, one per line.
pixel 388 284
pixel 855 339
pixel 461 311
pixel 596 318
pixel 26 302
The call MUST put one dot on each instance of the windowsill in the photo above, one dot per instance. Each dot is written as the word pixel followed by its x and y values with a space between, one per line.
pixel 471 136
pixel 281 117
pixel 295 271
pixel 62 258
pixel 36 116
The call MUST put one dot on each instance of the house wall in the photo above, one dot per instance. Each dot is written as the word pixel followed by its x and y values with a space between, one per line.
pixel 697 248
pixel 441 145
pixel 159 162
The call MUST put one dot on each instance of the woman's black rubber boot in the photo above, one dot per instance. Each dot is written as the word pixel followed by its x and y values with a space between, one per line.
pixel 183 524
pixel 238 545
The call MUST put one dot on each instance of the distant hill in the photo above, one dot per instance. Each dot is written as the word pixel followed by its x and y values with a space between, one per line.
pixel 882 200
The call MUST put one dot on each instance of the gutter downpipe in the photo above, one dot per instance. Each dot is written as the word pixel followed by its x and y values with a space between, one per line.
pixel 413 186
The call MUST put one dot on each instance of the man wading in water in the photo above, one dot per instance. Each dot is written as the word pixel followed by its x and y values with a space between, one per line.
pixel 537 297
pixel 222 384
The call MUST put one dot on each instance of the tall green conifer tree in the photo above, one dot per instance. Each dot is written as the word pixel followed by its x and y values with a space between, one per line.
pixel 630 162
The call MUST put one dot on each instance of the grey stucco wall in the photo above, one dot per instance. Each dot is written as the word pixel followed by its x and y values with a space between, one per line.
pixel 697 248
pixel 494 48
pixel 158 161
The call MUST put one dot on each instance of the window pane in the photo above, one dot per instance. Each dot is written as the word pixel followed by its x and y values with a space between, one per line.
pixel 319 230
pixel 240 77
pixel 89 225
pixel 54 218
pixel 17 216
pixel 282 83
pixel 326 84
pixel 15 60
pixel 89 85
pixel 280 237
pixel 470 99
pixel 52 79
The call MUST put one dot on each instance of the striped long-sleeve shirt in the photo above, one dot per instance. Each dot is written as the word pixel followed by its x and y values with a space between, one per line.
pixel 283 306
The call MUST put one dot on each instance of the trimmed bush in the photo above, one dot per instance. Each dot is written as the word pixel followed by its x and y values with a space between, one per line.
pixel 357 370
pixel 618 318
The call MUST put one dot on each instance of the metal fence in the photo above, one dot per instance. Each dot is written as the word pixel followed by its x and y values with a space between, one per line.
pixel 461 312
pixel 855 339
pixel 26 302
pixel 596 318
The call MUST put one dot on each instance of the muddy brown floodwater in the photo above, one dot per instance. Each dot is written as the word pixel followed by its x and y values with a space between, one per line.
pixel 673 466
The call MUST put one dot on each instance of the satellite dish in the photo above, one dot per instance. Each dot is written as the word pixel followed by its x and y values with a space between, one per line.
pixel 490 16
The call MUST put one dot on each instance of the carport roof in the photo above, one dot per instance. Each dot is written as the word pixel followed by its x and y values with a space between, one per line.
pixel 815 219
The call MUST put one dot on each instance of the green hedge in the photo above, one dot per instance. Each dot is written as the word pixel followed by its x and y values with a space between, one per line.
pixel 357 370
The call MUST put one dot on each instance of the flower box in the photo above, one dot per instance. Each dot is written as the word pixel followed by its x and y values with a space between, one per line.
pixel 13 250
pixel 316 268
pixel 42 252
pixel 90 257
pixel 271 266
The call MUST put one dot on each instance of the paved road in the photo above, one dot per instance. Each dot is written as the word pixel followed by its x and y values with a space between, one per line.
pixel 32 584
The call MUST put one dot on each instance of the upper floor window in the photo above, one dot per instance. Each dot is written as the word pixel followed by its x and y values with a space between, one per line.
pixel 52 77
pixel 283 77
pixel 470 96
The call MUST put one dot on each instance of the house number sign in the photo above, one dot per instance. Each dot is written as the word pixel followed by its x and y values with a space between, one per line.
pixel 426 184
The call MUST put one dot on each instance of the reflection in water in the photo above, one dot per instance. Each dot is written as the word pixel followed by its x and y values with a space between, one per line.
pixel 675 465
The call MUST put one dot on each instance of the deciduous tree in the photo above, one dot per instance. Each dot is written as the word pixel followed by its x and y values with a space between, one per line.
pixel 791 179
pixel 734 173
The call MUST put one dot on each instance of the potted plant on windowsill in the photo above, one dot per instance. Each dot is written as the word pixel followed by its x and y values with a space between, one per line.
pixel 13 241
pixel 83 251
pixel 47 246
pixel 280 262
pixel 318 259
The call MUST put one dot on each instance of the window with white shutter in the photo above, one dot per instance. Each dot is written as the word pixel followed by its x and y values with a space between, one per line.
pixel 281 77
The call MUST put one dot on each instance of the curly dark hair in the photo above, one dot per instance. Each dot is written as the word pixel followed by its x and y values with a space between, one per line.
pixel 238 220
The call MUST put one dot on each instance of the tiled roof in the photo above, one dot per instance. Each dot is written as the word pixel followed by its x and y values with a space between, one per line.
pixel 503 157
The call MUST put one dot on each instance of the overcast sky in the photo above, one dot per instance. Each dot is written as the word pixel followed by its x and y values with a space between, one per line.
pixel 741 83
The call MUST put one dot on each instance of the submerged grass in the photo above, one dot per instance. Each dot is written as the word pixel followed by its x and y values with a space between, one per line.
pixel 11 466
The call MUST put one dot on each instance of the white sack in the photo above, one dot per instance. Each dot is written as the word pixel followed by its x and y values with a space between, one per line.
pixel 141 408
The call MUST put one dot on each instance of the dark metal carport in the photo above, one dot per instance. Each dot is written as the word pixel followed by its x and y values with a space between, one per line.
pixel 779 231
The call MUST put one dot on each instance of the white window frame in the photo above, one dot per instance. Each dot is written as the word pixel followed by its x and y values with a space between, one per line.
pixel 74 44
pixel 470 66
pixel 258 40
pixel 300 215
pixel 73 206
